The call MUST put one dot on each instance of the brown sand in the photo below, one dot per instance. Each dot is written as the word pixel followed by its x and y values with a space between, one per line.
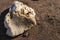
pixel 47 15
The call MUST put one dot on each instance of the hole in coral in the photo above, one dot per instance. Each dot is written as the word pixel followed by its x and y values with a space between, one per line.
pixel 7 15
pixel 34 0
pixel 8 20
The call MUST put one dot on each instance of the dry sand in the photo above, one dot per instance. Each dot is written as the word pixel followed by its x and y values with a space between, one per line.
pixel 47 15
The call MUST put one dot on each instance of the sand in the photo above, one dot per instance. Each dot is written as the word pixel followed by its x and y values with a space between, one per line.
pixel 47 15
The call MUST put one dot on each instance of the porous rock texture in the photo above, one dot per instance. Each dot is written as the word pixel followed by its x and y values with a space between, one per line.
pixel 19 19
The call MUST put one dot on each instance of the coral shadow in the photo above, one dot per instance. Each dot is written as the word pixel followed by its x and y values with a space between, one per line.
pixel 3 35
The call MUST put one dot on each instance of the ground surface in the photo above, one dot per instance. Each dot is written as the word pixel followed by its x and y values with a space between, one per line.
pixel 47 15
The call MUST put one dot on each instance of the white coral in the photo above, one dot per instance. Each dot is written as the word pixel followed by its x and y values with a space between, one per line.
pixel 19 19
